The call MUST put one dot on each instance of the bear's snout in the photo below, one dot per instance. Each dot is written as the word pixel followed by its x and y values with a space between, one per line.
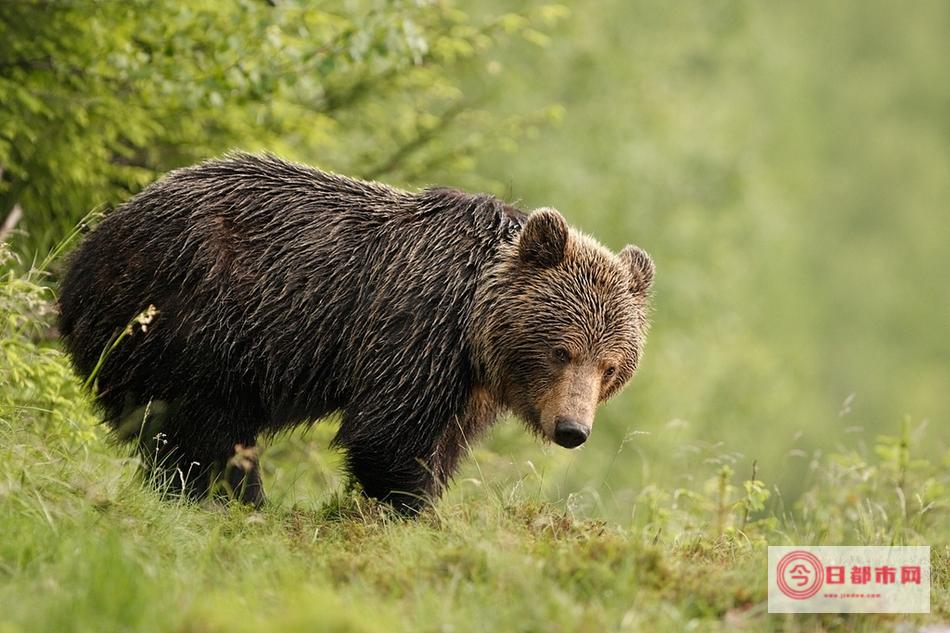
pixel 570 433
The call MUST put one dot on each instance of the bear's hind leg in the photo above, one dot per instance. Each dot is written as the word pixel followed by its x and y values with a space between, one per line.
pixel 242 476
pixel 201 451
pixel 199 474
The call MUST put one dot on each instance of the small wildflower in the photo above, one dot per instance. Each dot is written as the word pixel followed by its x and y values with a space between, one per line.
pixel 143 319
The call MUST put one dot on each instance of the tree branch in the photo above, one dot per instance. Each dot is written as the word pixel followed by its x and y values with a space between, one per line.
pixel 422 138
pixel 15 215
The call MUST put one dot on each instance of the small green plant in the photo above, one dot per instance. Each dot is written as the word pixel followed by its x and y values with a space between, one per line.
pixel 142 320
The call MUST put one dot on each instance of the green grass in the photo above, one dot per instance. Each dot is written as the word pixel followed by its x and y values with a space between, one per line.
pixel 86 547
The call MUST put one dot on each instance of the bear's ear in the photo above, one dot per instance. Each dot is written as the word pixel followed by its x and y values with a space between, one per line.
pixel 543 239
pixel 640 266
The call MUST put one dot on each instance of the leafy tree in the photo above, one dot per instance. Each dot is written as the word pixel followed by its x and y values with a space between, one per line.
pixel 99 98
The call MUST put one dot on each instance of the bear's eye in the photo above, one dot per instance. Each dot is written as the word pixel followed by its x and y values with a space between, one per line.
pixel 561 355
pixel 609 373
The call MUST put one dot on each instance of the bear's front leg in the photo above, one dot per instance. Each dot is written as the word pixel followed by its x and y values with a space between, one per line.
pixel 404 450
pixel 406 482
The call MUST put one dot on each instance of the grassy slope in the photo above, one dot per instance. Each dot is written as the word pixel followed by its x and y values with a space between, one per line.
pixel 85 547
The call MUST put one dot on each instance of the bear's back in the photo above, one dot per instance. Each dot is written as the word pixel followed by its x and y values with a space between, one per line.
pixel 306 286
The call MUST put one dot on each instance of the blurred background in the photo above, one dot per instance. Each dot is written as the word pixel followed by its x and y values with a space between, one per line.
pixel 786 164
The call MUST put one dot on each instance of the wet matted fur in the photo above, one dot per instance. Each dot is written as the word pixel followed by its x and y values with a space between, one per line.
pixel 285 293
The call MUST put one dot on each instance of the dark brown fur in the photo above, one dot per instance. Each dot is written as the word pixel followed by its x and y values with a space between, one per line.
pixel 285 294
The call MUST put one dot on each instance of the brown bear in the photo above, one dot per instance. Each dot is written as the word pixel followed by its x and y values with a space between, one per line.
pixel 283 294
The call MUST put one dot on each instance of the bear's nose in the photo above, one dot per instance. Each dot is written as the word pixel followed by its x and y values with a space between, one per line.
pixel 569 433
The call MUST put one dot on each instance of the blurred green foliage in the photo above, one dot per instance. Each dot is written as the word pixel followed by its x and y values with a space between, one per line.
pixel 788 167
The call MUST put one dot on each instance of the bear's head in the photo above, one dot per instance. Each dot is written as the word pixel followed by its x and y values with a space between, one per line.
pixel 562 323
